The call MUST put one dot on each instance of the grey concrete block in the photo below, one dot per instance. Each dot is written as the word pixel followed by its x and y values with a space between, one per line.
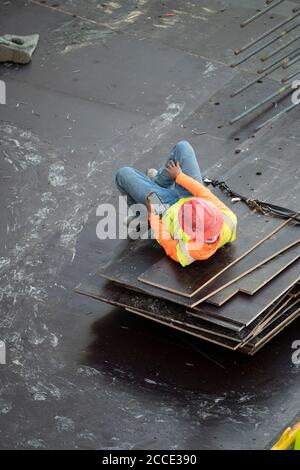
pixel 18 49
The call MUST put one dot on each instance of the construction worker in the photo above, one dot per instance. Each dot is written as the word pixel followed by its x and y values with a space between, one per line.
pixel 196 223
pixel 290 437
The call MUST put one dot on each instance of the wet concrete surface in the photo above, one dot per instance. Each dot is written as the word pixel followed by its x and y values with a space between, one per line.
pixel 110 86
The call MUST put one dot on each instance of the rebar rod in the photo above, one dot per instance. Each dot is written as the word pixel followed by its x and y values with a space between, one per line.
pixel 284 58
pixel 260 48
pixel 279 49
pixel 260 13
pixel 267 33
pixel 249 84
pixel 245 113
pixel 292 62
pixel 274 118
pixel 285 79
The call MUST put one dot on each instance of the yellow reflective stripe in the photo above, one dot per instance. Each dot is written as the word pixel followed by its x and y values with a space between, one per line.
pixel 183 253
pixel 297 441
pixel 287 438
pixel 179 234
pixel 230 224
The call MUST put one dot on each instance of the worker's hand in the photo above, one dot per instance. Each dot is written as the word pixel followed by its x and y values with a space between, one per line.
pixel 173 169
pixel 148 204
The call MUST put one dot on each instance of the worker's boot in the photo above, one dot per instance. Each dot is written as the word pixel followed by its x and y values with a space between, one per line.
pixel 18 49
pixel 152 173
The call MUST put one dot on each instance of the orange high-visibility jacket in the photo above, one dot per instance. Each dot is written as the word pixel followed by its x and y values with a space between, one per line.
pixel 183 249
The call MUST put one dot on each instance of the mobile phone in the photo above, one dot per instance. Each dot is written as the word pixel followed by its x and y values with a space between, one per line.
pixel 158 205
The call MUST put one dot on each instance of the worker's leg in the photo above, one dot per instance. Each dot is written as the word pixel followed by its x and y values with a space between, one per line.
pixel 136 186
pixel 183 153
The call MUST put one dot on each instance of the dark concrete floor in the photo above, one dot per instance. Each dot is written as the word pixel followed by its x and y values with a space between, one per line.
pixel 113 84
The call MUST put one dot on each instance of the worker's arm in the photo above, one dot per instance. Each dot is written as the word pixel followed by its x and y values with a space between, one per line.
pixel 198 190
pixel 163 236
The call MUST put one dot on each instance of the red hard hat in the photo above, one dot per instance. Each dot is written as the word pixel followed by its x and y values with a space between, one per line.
pixel 200 219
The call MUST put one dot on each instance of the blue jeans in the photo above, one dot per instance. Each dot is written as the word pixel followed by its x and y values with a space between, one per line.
pixel 136 185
